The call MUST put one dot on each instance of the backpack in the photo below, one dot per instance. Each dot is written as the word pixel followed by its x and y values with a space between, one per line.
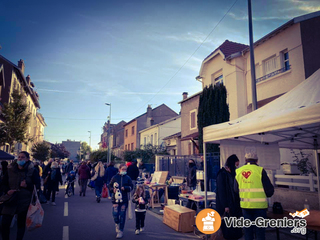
pixel 53 174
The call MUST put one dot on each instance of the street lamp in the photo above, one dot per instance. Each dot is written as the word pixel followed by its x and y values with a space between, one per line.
pixel 108 134
pixel 90 138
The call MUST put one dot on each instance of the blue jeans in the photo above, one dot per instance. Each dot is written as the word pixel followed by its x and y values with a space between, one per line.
pixel 119 214
pixel 252 214
pixel 98 190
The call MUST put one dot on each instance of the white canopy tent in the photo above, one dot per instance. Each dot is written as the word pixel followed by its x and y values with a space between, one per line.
pixel 290 121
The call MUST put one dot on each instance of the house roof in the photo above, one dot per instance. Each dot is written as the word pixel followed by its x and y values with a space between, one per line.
pixel 136 118
pixel 192 96
pixel 283 27
pixel 33 94
pixel 228 48
pixel 161 123
pixel 191 136
pixel 173 136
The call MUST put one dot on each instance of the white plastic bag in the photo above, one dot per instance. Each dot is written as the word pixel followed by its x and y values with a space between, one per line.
pixel 35 212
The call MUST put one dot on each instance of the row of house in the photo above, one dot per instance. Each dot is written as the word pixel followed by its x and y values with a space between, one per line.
pixel 283 58
pixel 12 77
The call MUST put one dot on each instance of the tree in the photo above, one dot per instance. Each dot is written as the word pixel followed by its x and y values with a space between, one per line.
pixel 213 109
pixel 41 151
pixel 147 153
pixel 15 118
pixel 102 155
pixel 85 149
pixel 59 150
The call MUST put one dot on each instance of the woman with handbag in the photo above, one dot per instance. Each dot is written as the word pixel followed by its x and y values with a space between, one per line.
pixel 84 175
pixel 98 179
pixel 19 183
pixel 227 201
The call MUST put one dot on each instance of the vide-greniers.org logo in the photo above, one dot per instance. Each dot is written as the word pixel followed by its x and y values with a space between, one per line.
pixel 298 225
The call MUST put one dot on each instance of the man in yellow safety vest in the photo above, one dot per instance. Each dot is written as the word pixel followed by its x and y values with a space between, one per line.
pixel 254 186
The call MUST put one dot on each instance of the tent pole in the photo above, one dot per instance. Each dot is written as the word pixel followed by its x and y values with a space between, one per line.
pixel 316 155
pixel 205 174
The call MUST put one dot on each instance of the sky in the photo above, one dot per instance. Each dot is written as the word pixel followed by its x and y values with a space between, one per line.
pixel 83 54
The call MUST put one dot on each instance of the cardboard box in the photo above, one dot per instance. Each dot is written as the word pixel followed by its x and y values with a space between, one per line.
pixel 179 218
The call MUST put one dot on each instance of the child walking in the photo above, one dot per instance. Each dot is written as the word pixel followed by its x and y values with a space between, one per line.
pixel 141 199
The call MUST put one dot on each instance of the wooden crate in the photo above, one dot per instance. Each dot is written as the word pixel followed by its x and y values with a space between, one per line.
pixel 179 218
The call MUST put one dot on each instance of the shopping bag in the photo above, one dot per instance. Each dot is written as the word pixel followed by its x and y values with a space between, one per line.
pixel 91 184
pixel 42 197
pixel 35 212
pixel 105 191
pixel 130 207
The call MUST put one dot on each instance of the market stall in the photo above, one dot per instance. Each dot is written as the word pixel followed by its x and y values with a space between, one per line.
pixel 291 121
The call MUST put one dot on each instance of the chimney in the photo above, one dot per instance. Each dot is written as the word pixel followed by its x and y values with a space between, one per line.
pixel 149 111
pixel 184 95
pixel 21 65
pixel 28 80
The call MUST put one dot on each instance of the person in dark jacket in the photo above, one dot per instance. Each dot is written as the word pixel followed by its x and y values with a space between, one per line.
pixel 110 172
pixel 133 171
pixel 192 175
pixel 120 185
pixel 69 167
pixel 19 180
pixel 84 175
pixel 227 201
pixel 53 182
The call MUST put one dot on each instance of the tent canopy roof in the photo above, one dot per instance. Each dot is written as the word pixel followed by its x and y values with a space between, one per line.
pixel 291 121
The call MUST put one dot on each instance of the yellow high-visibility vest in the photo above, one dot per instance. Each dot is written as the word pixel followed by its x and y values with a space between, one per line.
pixel 251 190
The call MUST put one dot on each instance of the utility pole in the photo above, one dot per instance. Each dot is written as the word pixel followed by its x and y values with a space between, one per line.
pixel 252 62
pixel 90 139
pixel 108 134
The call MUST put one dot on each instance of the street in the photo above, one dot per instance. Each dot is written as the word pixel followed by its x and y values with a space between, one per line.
pixel 82 218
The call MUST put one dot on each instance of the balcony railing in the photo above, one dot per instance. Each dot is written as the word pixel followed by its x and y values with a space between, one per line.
pixel 272 74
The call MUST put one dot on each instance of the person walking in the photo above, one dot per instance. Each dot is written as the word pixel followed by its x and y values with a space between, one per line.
pixel 45 173
pixel 53 182
pixel 141 199
pixel 254 187
pixel 227 200
pixel 98 179
pixel 192 175
pixel 69 167
pixel 84 175
pixel 110 172
pixel 19 181
pixel 120 185
pixel 133 172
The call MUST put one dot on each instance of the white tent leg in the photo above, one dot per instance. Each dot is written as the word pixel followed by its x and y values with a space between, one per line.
pixel 205 174
pixel 318 172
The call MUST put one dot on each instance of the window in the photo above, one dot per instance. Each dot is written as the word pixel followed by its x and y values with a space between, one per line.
pixel 145 140
pixel 193 119
pixel 131 146
pixel 286 64
pixel 258 71
pixel 270 65
pixel 155 139
pixel 126 132
pixel 132 130
pixel 125 147
pixel 218 80
pixel 151 138
pixel 128 147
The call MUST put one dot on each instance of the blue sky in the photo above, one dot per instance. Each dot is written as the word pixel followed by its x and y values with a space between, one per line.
pixel 82 54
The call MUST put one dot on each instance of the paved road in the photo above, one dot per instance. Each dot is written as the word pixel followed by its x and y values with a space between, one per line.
pixel 82 218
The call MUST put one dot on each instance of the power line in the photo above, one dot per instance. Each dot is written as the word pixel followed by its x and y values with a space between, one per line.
pixel 187 59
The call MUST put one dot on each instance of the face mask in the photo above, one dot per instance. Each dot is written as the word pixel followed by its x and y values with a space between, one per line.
pixel 21 163
pixel 123 173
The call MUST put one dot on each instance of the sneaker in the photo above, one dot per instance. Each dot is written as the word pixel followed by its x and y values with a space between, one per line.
pixel 120 234
pixel 137 232
pixel 117 228
pixel 48 202
pixel 109 197
pixel 98 199
pixel 141 229
pixel 53 204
